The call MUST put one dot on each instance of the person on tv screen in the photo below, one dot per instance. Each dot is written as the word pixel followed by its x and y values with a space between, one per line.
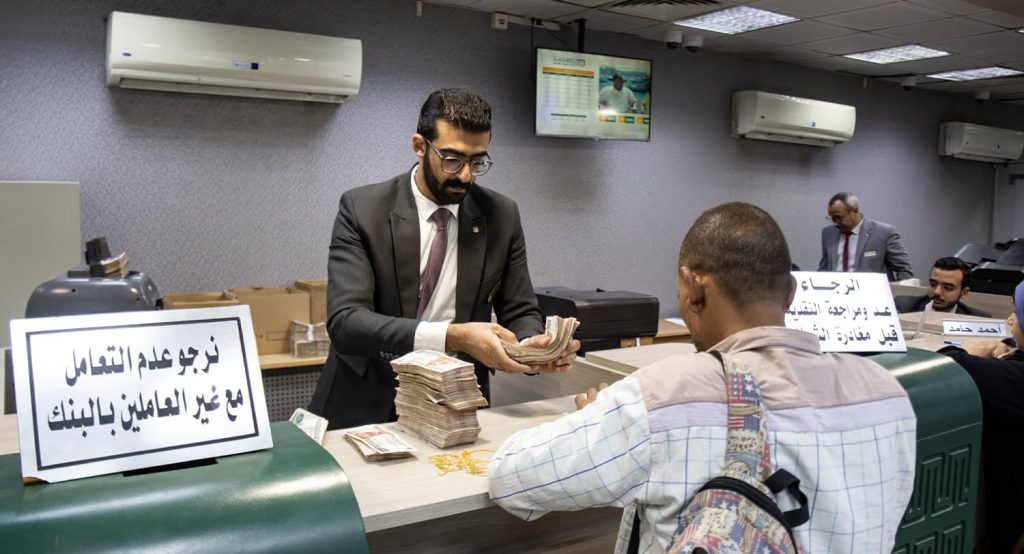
pixel 617 96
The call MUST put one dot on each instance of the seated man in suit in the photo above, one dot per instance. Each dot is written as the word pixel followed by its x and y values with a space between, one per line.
pixel 855 243
pixel 419 262
pixel 949 282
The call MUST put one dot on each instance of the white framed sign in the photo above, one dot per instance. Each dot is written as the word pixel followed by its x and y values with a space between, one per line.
pixel 849 312
pixel 975 328
pixel 112 392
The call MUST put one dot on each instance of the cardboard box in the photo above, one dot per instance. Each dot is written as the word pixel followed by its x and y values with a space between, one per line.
pixel 273 310
pixel 187 300
pixel 317 289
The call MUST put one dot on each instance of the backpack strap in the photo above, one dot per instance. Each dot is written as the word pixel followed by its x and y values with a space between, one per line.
pixel 746 449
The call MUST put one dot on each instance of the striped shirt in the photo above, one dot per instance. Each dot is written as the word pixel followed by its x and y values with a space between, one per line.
pixel 840 423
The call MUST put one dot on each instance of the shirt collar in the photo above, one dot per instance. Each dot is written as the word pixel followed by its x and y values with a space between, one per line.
pixel 767 336
pixel 426 207
pixel 856 229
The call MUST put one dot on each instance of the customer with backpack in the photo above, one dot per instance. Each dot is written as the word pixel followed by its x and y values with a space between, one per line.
pixel 840 424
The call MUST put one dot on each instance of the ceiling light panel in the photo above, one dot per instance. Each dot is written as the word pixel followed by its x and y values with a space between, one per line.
pixel 975 74
pixel 898 54
pixel 736 20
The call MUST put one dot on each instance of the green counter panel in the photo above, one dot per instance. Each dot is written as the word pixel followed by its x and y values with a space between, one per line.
pixel 940 517
pixel 293 497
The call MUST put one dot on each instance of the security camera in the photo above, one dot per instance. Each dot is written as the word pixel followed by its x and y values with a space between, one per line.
pixel 692 43
pixel 673 38
pixel 908 83
pixel 982 95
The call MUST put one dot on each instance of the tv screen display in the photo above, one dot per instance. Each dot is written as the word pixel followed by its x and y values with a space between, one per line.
pixel 592 96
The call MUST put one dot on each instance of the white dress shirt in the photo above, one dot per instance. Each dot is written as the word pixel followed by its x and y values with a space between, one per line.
pixel 440 311
pixel 854 235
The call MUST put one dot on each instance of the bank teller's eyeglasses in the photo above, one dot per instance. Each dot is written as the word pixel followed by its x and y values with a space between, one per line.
pixel 835 218
pixel 454 164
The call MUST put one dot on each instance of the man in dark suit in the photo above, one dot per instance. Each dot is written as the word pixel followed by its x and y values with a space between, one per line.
pixel 855 243
pixel 419 262
pixel 949 282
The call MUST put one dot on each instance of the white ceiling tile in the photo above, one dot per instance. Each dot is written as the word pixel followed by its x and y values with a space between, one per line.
pixel 839 63
pixel 1001 19
pixel 1001 56
pixel 1009 88
pixel 799 31
pixel 1001 40
pixel 607 21
pixel 936 65
pixel 955 7
pixel 665 12
pixel 942 29
pixel 860 42
pixel 456 3
pixel 814 8
pixel 587 3
pixel 656 31
pixel 792 54
pixel 950 86
pixel 543 9
pixel 882 17
pixel 737 43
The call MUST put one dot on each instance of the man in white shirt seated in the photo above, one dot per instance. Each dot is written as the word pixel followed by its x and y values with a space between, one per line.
pixel 838 422
pixel 617 97
pixel 949 283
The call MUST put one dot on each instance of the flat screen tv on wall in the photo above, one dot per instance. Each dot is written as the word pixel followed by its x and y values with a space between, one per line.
pixel 592 96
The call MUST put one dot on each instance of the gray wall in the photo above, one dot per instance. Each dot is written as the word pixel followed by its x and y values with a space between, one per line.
pixel 207 192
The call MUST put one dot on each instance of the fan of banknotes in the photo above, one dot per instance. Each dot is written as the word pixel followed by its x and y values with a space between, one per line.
pixel 560 329
pixel 437 398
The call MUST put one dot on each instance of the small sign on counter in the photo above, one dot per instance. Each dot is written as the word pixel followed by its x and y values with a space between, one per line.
pixel 112 392
pixel 849 312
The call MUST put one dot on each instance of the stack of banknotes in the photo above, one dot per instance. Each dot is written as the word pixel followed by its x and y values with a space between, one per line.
pixel 437 398
pixel 376 443
pixel 309 340
pixel 559 329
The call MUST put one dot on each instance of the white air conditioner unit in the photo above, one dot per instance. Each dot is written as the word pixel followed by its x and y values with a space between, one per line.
pixel 160 53
pixel 767 116
pixel 978 142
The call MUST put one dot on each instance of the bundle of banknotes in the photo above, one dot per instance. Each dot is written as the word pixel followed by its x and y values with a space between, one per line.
pixel 560 329
pixel 309 340
pixel 437 398
pixel 376 443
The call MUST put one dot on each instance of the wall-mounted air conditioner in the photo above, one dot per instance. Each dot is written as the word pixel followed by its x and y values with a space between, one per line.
pixel 160 53
pixel 768 116
pixel 978 142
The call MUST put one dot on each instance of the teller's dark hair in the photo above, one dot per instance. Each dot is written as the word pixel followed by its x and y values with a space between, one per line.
pixel 461 107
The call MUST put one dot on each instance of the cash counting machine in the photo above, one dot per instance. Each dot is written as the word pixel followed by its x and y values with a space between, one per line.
pixel 606 317
pixel 91 289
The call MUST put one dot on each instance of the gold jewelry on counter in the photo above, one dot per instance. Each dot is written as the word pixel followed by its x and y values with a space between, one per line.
pixel 446 463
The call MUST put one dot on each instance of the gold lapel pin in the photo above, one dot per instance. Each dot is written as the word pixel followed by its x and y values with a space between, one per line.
pixel 476 229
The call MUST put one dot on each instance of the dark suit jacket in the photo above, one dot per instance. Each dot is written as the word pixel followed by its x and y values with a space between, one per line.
pixel 911 304
pixel 878 250
pixel 373 282
pixel 1001 385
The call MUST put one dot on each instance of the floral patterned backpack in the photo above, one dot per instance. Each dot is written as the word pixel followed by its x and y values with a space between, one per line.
pixel 735 512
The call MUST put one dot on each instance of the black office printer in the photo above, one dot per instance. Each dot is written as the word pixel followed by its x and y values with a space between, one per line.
pixel 606 317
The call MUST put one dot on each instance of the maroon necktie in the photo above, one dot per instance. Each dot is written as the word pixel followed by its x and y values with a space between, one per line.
pixel 846 251
pixel 435 259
